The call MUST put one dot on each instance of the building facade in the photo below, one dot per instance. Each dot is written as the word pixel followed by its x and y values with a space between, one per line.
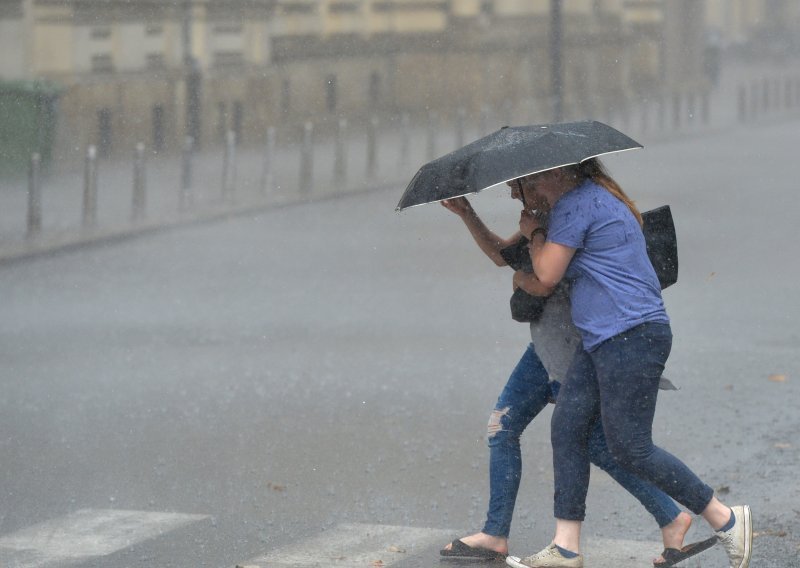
pixel 155 71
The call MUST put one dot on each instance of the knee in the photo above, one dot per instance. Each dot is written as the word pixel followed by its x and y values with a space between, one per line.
pixel 628 453
pixel 500 430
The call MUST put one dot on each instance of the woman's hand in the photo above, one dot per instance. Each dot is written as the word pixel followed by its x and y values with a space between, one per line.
pixel 458 205
pixel 527 223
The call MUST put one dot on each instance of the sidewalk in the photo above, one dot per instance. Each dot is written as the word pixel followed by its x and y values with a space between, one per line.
pixel 772 93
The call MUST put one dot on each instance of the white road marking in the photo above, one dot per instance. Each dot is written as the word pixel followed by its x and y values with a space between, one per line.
pixel 85 534
pixel 360 545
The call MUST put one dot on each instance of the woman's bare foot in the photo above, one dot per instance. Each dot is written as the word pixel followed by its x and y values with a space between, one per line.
pixel 674 533
pixel 483 540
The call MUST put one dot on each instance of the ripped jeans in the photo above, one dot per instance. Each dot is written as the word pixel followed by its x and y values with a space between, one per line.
pixel 525 395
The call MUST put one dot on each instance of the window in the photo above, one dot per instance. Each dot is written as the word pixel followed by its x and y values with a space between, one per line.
pixel 104 132
pixel 102 63
pixel 298 8
pixel 343 7
pixel 374 88
pixel 286 96
pixel 228 59
pixel 155 60
pixel 158 128
pixel 102 32
pixel 330 93
pixel 228 28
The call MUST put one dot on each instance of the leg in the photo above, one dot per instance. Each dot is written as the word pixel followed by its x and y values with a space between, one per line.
pixel 657 503
pixel 628 369
pixel 525 395
pixel 575 413
pixel 673 523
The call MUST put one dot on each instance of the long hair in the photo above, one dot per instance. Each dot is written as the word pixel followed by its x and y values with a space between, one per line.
pixel 596 171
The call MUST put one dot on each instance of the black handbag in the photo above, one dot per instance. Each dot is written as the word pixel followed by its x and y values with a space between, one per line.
pixel 662 244
pixel 524 306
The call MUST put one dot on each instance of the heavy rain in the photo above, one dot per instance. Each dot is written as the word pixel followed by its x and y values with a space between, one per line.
pixel 222 346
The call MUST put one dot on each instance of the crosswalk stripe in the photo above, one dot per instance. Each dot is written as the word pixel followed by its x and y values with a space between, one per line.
pixel 353 544
pixel 84 534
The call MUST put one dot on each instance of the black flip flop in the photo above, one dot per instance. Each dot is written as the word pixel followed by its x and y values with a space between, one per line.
pixel 672 556
pixel 461 550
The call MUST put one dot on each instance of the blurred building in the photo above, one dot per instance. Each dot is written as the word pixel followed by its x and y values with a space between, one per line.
pixel 153 71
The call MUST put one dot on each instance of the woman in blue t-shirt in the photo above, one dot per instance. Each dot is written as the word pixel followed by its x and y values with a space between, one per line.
pixel 533 383
pixel 594 241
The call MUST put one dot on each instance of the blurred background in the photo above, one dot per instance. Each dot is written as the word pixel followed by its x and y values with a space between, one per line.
pixel 116 114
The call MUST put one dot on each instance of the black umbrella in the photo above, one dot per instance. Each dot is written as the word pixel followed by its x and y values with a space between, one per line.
pixel 509 153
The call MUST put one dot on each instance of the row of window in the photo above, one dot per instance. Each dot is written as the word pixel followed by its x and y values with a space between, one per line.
pixel 104 62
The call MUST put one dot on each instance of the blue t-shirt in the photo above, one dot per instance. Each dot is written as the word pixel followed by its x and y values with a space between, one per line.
pixel 614 286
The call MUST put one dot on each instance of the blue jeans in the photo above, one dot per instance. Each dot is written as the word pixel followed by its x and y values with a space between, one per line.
pixel 615 388
pixel 525 395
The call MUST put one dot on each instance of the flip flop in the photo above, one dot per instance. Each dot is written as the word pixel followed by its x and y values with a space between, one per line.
pixel 461 550
pixel 672 556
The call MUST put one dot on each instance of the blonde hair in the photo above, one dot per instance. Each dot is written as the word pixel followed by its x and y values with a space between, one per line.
pixel 596 171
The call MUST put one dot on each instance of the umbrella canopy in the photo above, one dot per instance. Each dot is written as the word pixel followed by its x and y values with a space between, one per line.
pixel 509 153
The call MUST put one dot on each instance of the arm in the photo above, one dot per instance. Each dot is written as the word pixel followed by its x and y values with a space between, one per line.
pixel 490 243
pixel 550 260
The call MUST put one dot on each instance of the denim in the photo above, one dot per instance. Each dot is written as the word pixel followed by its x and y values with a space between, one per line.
pixel 526 393
pixel 616 387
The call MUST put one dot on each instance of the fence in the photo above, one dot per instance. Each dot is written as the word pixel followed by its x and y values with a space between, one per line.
pixel 301 165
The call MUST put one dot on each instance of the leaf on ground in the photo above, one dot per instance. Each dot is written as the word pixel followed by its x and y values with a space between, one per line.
pixel 782 445
pixel 777 378
pixel 397 549
pixel 276 486
pixel 723 489
pixel 378 563
pixel 710 276
pixel 769 532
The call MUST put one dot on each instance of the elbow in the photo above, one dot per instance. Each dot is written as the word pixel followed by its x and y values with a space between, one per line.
pixel 548 280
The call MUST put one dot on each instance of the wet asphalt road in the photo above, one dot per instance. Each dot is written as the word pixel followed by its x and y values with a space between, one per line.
pixel 288 371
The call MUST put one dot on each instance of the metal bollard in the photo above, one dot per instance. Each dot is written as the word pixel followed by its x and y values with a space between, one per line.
pixel 645 116
pixel 229 166
pixel 431 136
pixel 186 197
pixel 662 113
pixel 267 175
pixel 691 112
pixel 340 155
pixel 35 196
pixel 307 159
pixel 90 188
pixel 372 147
pixel 139 188
pixel 705 107
pixel 405 140
pixel 461 119
pixel 483 120
pixel 676 110
pixel 742 103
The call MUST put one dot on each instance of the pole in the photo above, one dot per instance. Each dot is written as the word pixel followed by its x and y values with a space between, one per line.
pixel 267 175
pixel 90 188
pixel 307 159
pixel 35 196
pixel 556 63
pixel 139 189
pixel 340 155
pixel 185 197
